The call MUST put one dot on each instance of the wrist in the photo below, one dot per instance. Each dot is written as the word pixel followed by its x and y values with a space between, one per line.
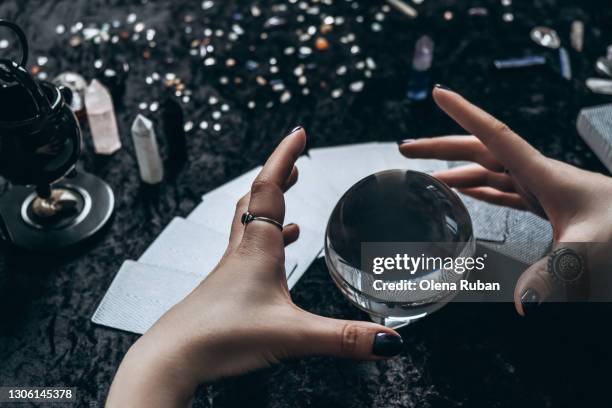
pixel 153 375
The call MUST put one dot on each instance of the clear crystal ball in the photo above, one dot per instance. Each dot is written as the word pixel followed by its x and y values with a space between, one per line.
pixel 394 206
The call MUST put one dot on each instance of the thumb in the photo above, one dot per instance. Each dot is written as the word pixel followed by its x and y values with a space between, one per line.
pixel 348 339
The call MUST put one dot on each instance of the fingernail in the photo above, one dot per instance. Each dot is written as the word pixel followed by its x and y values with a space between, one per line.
pixel 443 87
pixel 387 345
pixel 405 141
pixel 295 129
pixel 530 300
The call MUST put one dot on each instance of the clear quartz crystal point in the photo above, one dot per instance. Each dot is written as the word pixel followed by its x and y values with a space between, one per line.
pixel 577 35
pixel 147 153
pixel 423 54
pixel 418 85
pixel 102 120
pixel 600 86
pixel 604 66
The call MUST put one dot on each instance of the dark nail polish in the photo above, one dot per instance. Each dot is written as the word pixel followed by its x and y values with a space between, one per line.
pixel 387 345
pixel 443 87
pixel 530 300
pixel 295 129
pixel 405 141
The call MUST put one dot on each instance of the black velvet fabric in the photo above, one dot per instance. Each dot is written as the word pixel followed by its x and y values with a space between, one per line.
pixel 463 355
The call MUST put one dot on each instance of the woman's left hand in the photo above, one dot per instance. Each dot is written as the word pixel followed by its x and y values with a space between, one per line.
pixel 241 317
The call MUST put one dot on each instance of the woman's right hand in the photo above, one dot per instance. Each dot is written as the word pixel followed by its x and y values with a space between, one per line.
pixel 241 317
pixel 509 171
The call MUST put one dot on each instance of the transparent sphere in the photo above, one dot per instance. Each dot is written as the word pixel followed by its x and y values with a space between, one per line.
pixel 391 207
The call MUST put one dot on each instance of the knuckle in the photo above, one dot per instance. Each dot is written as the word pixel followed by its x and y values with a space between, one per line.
pixel 492 180
pixel 262 185
pixel 349 338
pixel 242 203
pixel 501 128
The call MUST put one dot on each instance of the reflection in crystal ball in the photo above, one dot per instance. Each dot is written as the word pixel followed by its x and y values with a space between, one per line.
pixel 393 206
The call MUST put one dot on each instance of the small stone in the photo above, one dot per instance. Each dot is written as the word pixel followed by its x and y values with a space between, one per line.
pixel 274 22
pixel 546 37
pixel 478 11
pixel 285 97
pixel 356 86
pixel 604 66
pixel 305 51
pixel 326 28
pixel 321 44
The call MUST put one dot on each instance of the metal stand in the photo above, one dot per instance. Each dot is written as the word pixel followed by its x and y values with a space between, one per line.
pixel 21 226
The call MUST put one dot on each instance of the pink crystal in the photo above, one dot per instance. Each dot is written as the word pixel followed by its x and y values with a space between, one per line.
pixel 102 120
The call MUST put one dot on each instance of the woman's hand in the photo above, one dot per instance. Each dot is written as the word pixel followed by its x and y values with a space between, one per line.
pixel 509 171
pixel 241 317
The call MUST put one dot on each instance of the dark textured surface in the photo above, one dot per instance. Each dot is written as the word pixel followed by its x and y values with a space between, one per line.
pixel 465 355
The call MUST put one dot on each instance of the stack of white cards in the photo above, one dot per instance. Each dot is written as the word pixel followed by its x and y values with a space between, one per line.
pixel 595 126
pixel 188 249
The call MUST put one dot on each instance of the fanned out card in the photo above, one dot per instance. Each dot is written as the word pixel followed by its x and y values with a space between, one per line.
pixel 305 250
pixel 346 165
pixel 140 294
pixel 187 250
pixel 528 239
pixel 595 127
pixel 238 186
pixel 395 160
pixel 216 211
pixel 191 248
pixel 187 247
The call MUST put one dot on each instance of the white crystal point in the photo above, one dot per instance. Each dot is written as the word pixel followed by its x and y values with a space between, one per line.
pixel 102 120
pixel 147 152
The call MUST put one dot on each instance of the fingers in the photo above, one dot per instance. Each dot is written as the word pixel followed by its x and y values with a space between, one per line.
pixel 291 180
pixel 533 287
pixel 291 233
pixel 348 339
pixel 237 228
pixel 493 196
pixel 506 146
pixel 453 148
pixel 267 192
pixel 476 176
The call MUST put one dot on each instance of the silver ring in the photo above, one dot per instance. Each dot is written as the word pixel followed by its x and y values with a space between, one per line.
pixel 247 217
pixel 566 265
